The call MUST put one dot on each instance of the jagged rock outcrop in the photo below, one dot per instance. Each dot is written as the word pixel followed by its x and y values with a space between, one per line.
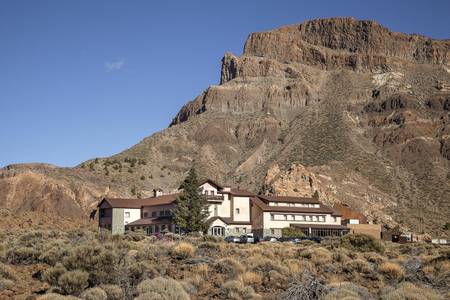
pixel 339 106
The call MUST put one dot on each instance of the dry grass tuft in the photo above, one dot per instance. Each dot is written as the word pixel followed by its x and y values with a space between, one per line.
pixel 409 291
pixel 161 288
pixel 251 278
pixel 183 250
pixel 391 270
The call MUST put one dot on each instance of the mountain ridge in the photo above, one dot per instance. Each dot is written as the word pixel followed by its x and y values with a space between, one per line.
pixel 364 115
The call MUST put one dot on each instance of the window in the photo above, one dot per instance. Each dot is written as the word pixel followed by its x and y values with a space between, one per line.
pixel 272 231
pixel 127 214
pixel 216 210
pixel 102 212
pixel 167 213
pixel 335 219
pixel 145 214
pixel 272 217
pixel 244 230
pixel 293 217
pixel 238 211
pixel 285 217
pixel 211 192
pixel 161 213
pixel 237 229
pixel 153 214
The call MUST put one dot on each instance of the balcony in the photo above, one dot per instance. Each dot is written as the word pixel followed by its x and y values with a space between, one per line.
pixel 215 197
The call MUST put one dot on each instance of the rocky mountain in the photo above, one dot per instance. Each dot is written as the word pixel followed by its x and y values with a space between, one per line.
pixel 339 106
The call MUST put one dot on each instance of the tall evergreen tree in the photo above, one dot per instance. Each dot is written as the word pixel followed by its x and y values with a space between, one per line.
pixel 191 210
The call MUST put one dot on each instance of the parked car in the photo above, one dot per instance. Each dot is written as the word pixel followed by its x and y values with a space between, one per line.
pixel 248 238
pixel 270 239
pixel 232 239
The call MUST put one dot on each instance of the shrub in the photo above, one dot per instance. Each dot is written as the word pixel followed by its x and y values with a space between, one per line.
pixel 6 284
pixel 229 267
pixel 251 278
pixel 235 289
pixel 54 296
pixel 409 291
pixel 22 255
pixel 165 288
pixel 73 282
pixel 95 293
pixel 310 288
pixel 183 250
pixel 391 270
pixel 6 272
pixel 114 292
pixel 347 291
pixel 357 265
pixel 363 243
pixel 51 275
pixel 291 232
pixel 318 256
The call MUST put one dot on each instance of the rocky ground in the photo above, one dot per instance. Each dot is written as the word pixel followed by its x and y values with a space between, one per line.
pixel 339 106
pixel 89 265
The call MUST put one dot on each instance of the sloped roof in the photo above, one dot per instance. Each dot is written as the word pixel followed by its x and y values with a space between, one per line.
pixel 151 221
pixel 228 221
pixel 237 192
pixel 138 203
pixel 323 209
pixel 289 199
pixel 210 181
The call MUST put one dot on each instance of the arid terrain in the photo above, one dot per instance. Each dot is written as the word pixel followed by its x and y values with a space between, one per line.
pixel 54 265
pixel 339 106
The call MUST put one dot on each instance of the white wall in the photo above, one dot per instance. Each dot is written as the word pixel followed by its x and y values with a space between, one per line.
pixel 135 214
pixel 279 221
pixel 208 187
pixel 243 203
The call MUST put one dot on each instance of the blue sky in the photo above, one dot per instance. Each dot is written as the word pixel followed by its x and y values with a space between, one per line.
pixel 84 79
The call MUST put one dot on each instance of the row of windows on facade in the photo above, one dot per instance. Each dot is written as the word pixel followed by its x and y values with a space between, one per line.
pixel 294 204
pixel 162 213
pixel 285 217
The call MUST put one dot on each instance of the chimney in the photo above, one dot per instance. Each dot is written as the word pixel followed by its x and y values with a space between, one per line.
pixel 157 192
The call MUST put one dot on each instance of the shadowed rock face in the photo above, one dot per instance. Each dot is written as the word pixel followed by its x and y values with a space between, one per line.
pixel 339 106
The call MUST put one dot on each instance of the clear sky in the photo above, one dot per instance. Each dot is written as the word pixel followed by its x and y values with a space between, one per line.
pixel 84 79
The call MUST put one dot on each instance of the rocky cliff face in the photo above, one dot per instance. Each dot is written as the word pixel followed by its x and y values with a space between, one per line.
pixel 339 106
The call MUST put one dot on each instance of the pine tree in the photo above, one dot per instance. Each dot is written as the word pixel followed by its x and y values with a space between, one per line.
pixel 191 210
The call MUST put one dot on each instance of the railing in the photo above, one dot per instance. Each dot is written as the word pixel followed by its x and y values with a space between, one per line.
pixel 215 197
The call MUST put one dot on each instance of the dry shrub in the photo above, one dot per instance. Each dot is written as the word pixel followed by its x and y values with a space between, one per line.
pixel 408 291
pixel 357 265
pixel 374 257
pixel 229 267
pixel 201 269
pixel 54 252
pixel 444 266
pixel 294 265
pixel 95 293
pixel 264 266
pixel 23 255
pixel 51 275
pixel 113 292
pixel 391 270
pixel 276 280
pixel 251 278
pixel 6 284
pixel 183 250
pixel 54 296
pixel 161 288
pixel 347 291
pixel 318 256
pixel 235 289
pixel 6 272
pixel 340 257
pixel 309 288
pixel 73 282
pixel 362 243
